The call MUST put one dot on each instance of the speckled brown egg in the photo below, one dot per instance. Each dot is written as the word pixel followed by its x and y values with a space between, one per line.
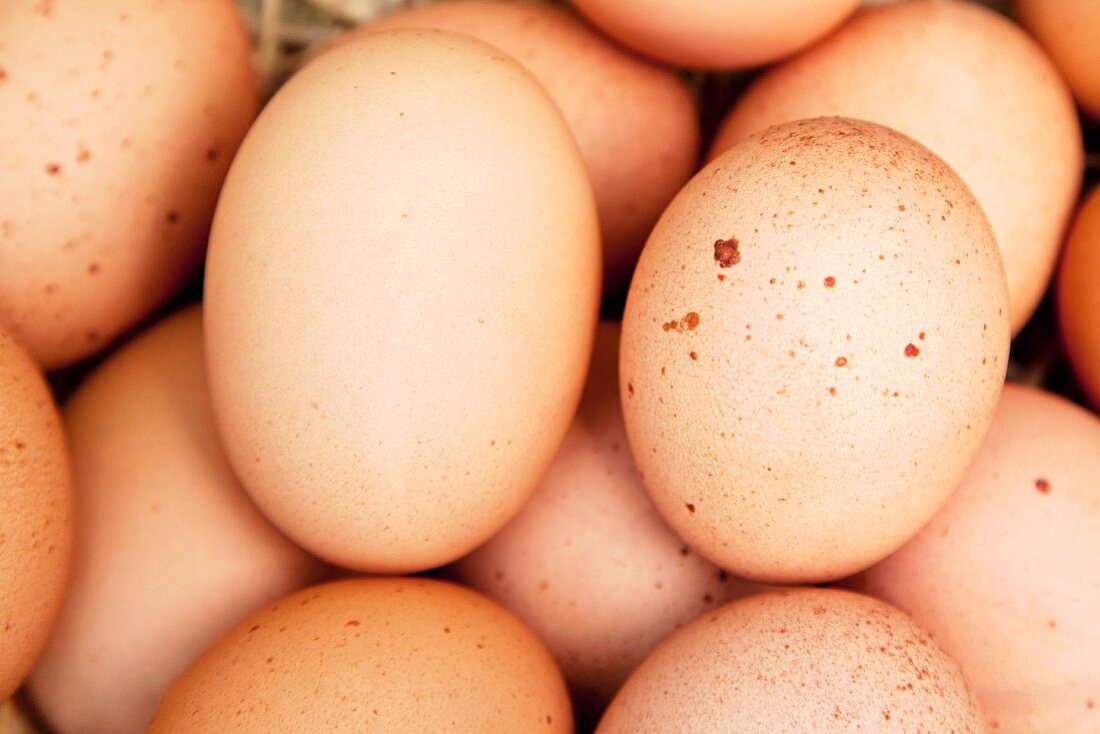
pixel 716 35
pixel 970 85
pixel 813 346
pixel 807 660
pixel 635 122
pixel 36 514
pixel 386 655
pixel 588 563
pixel 1079 297
pixel 1007 574
pixel 401 297
pixel 1069 30
pixel 170 552
pixel 120 119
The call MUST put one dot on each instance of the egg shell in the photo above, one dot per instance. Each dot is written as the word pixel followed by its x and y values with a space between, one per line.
pixel 1069 30
pixel 813 346
pixel 970 85
pixel 1007 574
pixel 400 304
pixel 635 122
pixel 120 119
pixel 170 551
pixel 1079 298
pixel 818 660
pixel 387 655
pixel 716 35
pixel 588 563
pixel 36 514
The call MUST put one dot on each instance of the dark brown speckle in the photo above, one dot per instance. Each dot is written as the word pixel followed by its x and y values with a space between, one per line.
pixel 1043 486
pixel 726 252
pixel 690 507
pixel 911 350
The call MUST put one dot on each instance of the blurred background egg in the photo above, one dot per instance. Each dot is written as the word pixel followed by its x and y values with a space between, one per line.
pixel 120 120
pixel 716 35
pixel 395 356
pixel 635 122
pixel 970 85
pixel 588 563
pixel 1079 297
pixel 170 552
pixel 386 655
pixel 1069 30
pixel 36 514
pixel 801 660
pixel 813 346
pixel 1007 574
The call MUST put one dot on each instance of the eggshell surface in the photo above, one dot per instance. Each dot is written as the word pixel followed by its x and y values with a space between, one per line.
pixel 401 297
pixel 818 660
pixel 1069 30
pixel 1007 574
pixel 387 655
pixel 716 35
pixel 813 346
pixel 170 551
pixel 970 85
pixel 1079 297
pixel 36 514
pixel 635 122
pixel 120 120
pixel 588 563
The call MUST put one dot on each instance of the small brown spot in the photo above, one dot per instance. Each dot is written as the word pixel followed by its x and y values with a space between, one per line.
pixel 1043 486
pixel 685 551
pixel 3 74
pixel 690 507
pixel 832 391
pixel 1090 704
pixel 693 356
pixel 630 389
pixel 723 577
pixel 921 336
pixel 830 282
pixel 1052 623
pixel 19 445
pixel 708 599
pixel 911 350
pixel 172 217
pixel 53 169
pixel 93 268
pixel 841 362
pixel 83 155
pixel 901 207
pixel 726 252
pixel 446 630
pixel 253 628
pixel 212 154
pixel 352 623
pixel 886 714
pixel 721 277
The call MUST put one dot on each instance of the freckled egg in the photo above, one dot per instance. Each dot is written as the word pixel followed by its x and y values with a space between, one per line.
pixel 36 514
pixel 120 119
pixel 401 297
pixel 819 660
pixel 635 122
pixel 588 563
pixel 387 655
pixel 1079 297
pixel 170 552
pixel 1069 30
pixel 970 85
pixel 813 346
pixel 1007 574
pixel 716 35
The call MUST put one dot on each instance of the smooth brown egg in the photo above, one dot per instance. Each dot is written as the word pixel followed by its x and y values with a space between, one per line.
pixel 120 119
pixel 588 563
pixel 1007 574
pixel 970 85
pixel 1079 297
pixel 387 655
pixel 170 552
pixel 635 122
pixel 806 660
pixel 401 297
pixel 716 35
pixel 1069 30
pixel 36 514
pixel 813 346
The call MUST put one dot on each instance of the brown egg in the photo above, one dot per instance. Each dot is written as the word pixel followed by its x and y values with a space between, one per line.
pixel 36 514
pixel 1079 297
pixel 401 297
pixel 386 655
pixel 1069 30
pixel 813 346
pixel 804 660
pixel 635 122
pixel 588 564
pixel 120 119
pixel 716 35
pixel 1007 574
pixel 971 86
pixel 170 552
